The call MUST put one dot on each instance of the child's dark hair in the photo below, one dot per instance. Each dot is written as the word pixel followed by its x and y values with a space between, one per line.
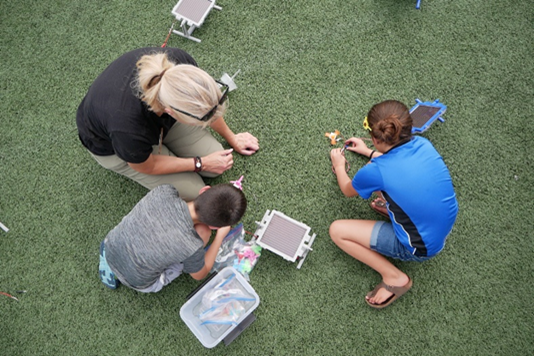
pixel 390 122
pixel 221 205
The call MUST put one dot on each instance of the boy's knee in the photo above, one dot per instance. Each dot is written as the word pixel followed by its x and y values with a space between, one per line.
pixel 188 195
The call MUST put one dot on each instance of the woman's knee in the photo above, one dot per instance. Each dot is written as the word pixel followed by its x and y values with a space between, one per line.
pixel 209 174
pixel 188 184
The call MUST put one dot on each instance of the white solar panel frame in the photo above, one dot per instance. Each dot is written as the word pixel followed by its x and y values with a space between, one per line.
pixel 300 243
pixel 193 11
pixel 191 14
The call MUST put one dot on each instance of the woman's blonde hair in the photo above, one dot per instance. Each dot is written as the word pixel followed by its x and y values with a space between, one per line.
pixel 163 84
pixel 390 122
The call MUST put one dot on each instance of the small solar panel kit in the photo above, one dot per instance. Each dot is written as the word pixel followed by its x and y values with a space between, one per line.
pixel 191 14
pixel 284 236
pixel 425 113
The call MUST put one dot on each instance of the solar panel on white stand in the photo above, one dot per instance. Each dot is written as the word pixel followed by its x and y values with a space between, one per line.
pixel 284 236
pixel 192 13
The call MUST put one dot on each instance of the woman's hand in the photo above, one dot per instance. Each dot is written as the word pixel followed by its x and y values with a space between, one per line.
pixel 218 162
pixel 244 143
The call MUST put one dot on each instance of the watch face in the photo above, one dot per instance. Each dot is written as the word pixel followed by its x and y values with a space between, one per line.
pixel 198 164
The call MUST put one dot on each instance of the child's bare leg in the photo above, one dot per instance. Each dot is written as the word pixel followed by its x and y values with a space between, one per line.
pixel 354 237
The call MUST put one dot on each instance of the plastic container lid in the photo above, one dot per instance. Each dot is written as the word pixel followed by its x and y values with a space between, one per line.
pixel 210 334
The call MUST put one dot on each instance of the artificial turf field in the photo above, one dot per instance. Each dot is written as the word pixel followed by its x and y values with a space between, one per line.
pixel 307 67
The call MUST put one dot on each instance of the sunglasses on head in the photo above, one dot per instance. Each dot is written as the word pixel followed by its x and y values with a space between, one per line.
pixel 210 113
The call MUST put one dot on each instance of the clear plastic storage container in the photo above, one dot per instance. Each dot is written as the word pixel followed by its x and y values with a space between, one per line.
pixel 222 306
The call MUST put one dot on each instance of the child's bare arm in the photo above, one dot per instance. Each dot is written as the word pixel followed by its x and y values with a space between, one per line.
pixel 211 254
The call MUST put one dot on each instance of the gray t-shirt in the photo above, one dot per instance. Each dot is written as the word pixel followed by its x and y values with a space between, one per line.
pixel 156 234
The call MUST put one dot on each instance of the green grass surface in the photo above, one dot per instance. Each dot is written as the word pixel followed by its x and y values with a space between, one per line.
pixel 307 67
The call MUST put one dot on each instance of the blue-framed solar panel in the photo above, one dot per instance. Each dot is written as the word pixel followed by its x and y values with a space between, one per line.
pixel 425 114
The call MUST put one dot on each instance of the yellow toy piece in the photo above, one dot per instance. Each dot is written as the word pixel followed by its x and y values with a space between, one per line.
pixel 332 136
pixel 366 125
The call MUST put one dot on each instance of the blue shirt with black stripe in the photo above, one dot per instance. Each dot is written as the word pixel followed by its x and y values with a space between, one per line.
pixel 417 186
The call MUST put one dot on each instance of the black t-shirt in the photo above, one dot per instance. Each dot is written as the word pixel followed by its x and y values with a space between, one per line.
pixel 111 119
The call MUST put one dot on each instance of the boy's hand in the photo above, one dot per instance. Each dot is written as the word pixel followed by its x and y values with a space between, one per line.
pixel 222 232
pixel 211 254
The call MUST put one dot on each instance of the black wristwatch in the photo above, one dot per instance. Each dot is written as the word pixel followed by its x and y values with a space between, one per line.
pixel 198 164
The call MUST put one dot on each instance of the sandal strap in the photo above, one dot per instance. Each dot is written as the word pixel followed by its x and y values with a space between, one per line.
pixel 374 291
pixel 379 207
pixel 380 203
pixel 399 291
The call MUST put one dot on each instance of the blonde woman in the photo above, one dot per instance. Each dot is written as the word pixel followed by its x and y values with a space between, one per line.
pixel 147 115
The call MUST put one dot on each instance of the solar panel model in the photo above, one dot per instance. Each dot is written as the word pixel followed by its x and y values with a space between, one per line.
pixel 425 113
pixel 191 14
pixel 284 236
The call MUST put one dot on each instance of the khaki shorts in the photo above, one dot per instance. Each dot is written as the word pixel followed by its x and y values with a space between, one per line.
pixel 181 141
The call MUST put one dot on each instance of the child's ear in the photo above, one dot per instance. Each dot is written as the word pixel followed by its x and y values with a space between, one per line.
pixel 204 189
pixel 375 141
